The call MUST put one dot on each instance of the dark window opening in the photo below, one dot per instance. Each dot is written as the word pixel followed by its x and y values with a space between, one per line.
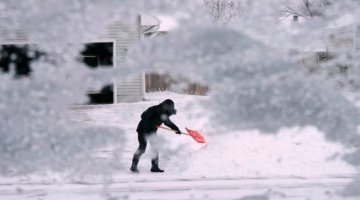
pixel 105 96
pixel 97 55
pixel 18 57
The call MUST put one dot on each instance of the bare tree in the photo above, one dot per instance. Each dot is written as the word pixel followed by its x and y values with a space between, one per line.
pixel 225 10
pixel 308 8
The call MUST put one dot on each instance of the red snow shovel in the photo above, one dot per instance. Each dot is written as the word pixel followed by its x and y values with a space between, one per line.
pixel 194 134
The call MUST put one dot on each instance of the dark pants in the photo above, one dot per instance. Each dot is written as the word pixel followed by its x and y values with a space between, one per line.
pixel 143 138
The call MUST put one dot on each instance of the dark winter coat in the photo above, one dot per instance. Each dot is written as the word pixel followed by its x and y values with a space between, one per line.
pixel 156 115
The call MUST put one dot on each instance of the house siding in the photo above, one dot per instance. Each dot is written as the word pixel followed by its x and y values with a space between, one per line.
pixel 125 35
pixel 342 39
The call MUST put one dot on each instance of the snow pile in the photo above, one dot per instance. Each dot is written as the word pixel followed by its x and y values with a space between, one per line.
pixel 292 152
pixel 302 151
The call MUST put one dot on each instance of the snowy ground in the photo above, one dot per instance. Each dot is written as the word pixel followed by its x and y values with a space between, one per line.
pixel 296 163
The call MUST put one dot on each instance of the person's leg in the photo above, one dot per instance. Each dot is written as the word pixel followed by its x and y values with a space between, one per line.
pixel 140 151
pixel 155 153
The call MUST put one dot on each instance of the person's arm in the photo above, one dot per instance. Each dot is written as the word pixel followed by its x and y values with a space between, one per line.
pixel 171 125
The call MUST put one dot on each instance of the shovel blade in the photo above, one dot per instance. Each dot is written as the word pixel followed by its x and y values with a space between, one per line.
pixel 195 135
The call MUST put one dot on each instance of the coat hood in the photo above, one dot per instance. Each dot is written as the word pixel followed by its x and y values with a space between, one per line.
pixel 168 107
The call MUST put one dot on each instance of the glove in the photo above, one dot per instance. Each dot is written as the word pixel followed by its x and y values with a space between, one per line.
pixel 178 132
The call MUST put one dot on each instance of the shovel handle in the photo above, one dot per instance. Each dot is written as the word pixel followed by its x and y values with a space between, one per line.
pixel 169 129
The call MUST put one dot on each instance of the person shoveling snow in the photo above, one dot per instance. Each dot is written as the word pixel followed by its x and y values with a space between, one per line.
pixel 150 120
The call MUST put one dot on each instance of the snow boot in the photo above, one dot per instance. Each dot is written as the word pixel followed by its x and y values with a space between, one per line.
pixel 133 167
pixel 155 167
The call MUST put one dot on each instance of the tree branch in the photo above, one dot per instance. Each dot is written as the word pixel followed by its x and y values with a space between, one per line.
pixel 292 11
pixel 285 17
pixel 307 6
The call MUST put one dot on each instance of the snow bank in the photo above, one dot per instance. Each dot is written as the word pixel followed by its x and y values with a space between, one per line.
pixel 292 152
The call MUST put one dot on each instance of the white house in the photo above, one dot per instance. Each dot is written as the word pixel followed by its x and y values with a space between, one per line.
pixel 343 34
pixel 119 35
